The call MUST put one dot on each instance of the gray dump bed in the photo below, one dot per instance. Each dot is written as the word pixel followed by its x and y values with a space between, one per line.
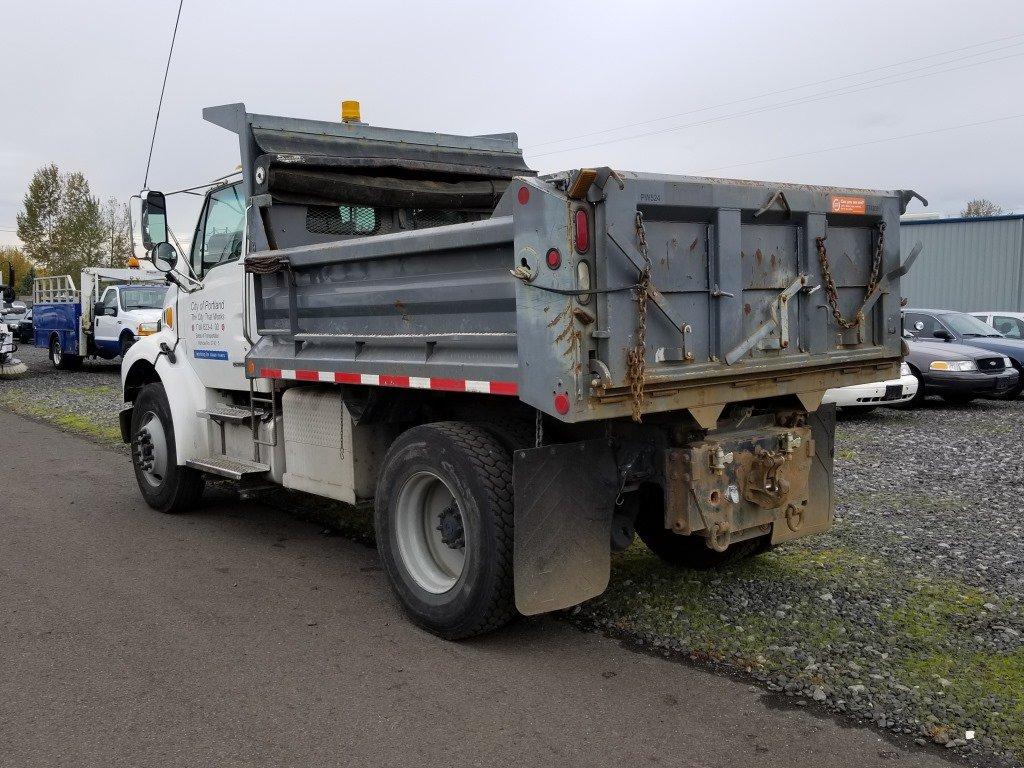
pixel 737 308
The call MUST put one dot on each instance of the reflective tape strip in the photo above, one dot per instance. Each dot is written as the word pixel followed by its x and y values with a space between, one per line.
pixel 388 380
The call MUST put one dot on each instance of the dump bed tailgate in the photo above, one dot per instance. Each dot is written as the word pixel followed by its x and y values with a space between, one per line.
pixel 738 301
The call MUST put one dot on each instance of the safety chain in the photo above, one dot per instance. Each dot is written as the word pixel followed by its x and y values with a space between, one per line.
pixel 636 362
pixel 832 293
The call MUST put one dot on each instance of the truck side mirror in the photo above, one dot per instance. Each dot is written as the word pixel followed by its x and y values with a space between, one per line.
pixel 943 334
pixel 154 219
pixel 165 256
pixel 98 310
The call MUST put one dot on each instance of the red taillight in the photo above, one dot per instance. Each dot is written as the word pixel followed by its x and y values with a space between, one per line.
pixel 524 195
pixel 554 258
pixel 562 403
pixel 582 231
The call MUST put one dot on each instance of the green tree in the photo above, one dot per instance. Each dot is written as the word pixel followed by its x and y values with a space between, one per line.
pixel 40 219
pixel 23 268
pixel 981 206
pixel 117 239
pixel 60 224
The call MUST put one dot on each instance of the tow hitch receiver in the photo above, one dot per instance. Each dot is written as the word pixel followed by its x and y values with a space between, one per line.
pixel 740 485
pixel 564 500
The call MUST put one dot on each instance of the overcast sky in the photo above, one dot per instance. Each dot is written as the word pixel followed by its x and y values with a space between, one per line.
pixel 79 85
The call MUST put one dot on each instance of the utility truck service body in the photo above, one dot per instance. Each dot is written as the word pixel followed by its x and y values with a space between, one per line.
pixel 113 310
pixel 522 372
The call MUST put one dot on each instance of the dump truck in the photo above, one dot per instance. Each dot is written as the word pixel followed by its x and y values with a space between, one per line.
pixel 523 373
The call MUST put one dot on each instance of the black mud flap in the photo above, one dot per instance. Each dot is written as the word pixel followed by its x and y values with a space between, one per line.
pixel 564 500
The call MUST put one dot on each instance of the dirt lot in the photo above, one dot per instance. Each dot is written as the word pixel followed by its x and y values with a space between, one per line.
pixel 907 616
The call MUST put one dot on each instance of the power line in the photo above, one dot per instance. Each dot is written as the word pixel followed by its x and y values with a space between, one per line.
pixel 794 88
pixel 163 87
pixel 867 143
pixel 857 88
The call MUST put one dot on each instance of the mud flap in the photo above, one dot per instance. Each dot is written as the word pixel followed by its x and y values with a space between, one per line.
pixel 564 500
pixel 820 484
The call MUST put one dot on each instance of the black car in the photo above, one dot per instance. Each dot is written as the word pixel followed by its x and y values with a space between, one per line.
pixel 24 331
pixel 948 326
pixel 958 373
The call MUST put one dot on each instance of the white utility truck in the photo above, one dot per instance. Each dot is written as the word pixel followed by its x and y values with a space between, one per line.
pixel 523 373
pixel 113 310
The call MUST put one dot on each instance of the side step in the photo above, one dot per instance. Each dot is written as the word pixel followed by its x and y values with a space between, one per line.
pixel 235 469
pixel 229 414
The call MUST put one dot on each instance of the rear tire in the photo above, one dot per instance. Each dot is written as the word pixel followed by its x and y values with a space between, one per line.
pixel 691 552
pixel 442 485
pixel 60 359
pixel 165 486
pixel 959 399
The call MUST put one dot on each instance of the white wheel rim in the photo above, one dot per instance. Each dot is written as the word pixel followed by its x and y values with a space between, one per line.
pixel 56 353
pixel 151 452
pixel 424 503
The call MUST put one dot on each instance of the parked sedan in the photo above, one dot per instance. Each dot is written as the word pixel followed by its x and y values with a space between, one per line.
pixel 867 397
pixel 958 373
pixel 948 326
pixel 24 332
pixel 1010 324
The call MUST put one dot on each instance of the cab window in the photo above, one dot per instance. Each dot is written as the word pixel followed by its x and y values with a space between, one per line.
pixel 218 238
pixel 110 302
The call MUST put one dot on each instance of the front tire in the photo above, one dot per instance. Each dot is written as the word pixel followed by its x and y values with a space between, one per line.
pixel 443 518
pixel 165 486
pixel 126 342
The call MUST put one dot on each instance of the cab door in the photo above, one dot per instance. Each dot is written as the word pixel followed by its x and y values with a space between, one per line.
pixel 211 317
pixel 107 326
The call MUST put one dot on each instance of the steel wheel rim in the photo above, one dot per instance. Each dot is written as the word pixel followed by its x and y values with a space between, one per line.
pixel 56 353
pixel 434 565
pixel 152 432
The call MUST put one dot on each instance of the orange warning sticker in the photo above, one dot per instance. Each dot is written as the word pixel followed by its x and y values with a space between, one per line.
pixel 841 204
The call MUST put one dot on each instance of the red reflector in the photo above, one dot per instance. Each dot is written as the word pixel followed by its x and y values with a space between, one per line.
pixel 582 231
pixel 524 195
pixel 562 403
pixel 554 258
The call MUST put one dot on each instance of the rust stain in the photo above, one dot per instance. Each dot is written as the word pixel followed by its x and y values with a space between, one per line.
pixel 772 260
pixel 399 305
pixel 693 245
pixel 758 255
pixel 746 309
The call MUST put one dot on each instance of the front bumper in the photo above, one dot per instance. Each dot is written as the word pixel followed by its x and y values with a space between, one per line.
pixel 891 392
pixel 970 382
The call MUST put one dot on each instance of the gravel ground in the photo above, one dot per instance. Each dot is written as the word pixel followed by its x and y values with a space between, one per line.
pixel 908 615
pixel 84 401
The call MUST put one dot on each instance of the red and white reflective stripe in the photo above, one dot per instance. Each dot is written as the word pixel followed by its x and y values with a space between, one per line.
pixel 385 380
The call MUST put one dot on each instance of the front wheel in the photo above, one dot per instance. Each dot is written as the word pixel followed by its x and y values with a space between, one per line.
pixel 165 486
pixel 443 517
pixel 126 343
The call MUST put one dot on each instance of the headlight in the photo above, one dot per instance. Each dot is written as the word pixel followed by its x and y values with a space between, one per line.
pixel 904 369
pixel 1007 362
pixel 148 329
pixel 954 365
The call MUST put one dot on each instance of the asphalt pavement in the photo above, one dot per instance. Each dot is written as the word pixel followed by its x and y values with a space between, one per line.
pixel 238 635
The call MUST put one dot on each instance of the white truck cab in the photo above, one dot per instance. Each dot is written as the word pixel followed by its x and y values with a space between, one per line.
pixel 123 315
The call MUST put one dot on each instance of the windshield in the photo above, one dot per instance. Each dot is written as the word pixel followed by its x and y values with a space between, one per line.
pixel 143 298
pixel 966 325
